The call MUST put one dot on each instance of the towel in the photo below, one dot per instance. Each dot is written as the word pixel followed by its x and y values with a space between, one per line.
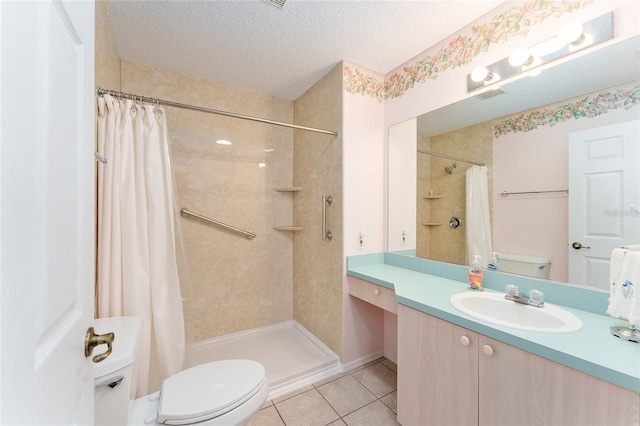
pixel 624 278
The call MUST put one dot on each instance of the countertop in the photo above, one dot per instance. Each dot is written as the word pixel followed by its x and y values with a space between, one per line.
pixel 592 350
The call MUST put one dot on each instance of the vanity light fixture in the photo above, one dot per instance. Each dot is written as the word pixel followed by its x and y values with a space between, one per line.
pixel 223 142
pixel 571 38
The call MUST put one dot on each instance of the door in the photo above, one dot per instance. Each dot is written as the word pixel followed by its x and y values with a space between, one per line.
pixel 604 199
pixel 47 213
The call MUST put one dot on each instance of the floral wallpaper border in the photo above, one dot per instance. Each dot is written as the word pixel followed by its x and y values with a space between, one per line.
pixel 587 107
pixel 461 49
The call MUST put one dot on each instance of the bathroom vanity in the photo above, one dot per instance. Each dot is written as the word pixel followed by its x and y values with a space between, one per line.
pixel 453 369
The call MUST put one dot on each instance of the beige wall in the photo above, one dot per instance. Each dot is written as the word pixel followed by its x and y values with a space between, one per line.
pixel 318 169
pixel 107 60
pixel 472 143
pixel 236 284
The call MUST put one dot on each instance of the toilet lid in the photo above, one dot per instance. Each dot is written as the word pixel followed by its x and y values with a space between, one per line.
pixel 208 390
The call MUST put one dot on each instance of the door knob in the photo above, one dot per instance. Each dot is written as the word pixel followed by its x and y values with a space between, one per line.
pixel 579 246
pixel 92 340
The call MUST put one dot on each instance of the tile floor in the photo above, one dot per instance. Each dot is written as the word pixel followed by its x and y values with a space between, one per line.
pixel 363 396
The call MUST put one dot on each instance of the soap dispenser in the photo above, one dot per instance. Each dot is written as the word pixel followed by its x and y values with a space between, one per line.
pixel 475 274
pixel 493 265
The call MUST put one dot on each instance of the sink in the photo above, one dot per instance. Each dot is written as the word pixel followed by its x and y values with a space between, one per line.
pixel 495 309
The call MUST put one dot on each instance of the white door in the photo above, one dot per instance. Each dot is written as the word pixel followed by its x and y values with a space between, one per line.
pixel 47 211
pixel 604 198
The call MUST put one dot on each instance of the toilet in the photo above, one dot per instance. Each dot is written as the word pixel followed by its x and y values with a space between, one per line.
pixel 225 392
pixel 531 266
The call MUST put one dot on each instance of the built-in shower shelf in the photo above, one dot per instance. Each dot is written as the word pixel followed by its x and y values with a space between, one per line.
pixel 288 189
pixel 433 224
pixel 432 197
pixel 288 228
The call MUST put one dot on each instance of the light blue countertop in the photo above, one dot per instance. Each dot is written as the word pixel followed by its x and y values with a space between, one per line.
pixel 592 350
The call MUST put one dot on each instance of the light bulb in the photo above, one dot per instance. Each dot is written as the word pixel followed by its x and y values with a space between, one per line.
pixel 521 56
pixel 479 74
pixel 223 142
pixel 571 33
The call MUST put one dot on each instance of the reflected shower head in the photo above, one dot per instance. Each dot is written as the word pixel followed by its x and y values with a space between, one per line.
pixel 450 168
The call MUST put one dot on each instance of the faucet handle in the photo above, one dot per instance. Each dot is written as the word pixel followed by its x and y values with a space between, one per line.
pixel 536 296
pixel 511 290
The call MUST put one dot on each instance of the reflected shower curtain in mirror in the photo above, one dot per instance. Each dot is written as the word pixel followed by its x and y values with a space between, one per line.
pixel 478 218
pixel 137 269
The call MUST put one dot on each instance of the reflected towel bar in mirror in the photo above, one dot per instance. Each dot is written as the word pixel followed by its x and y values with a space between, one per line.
pixel 507 193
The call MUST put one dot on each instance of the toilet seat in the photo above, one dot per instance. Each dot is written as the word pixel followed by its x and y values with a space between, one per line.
pixel 209 390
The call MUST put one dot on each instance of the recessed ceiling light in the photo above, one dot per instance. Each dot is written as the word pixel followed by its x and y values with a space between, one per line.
pixel 223 142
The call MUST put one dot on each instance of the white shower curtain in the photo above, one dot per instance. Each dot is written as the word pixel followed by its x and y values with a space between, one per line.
pixel 137 269
pixel 477 215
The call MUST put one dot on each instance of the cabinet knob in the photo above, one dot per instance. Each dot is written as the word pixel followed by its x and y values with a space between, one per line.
pixel 487 350
pixel 465 341
pixel 376 292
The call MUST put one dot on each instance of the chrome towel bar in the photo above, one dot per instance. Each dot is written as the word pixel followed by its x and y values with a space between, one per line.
pixel 186 212
pixel 506 193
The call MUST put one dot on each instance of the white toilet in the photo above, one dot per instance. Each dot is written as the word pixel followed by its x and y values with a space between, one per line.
pixel 226 392
pixel 531 266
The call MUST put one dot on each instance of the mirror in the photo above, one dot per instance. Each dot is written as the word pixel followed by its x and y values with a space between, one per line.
pixel 426 193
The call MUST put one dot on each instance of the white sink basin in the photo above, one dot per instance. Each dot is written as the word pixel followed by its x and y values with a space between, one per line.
pixel 495 309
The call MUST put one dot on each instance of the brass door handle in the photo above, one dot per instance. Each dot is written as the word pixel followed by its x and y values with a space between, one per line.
pixel 92 340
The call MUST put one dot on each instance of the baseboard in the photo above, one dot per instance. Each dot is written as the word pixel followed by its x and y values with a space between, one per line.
pixel 361 361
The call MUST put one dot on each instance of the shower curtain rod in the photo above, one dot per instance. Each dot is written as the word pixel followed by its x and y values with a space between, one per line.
pixel 475 163
pixel 139 98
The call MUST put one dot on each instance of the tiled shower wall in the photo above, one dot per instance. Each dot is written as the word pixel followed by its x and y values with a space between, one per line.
pixel 236 283
pixel 317 166
pixel 472 143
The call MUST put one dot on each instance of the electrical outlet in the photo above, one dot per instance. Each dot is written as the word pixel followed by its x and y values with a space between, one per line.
pixel 403 241
pixel 360 243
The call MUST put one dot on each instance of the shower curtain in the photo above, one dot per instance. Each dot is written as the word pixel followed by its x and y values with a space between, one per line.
pixel 478 219
pixel 137 269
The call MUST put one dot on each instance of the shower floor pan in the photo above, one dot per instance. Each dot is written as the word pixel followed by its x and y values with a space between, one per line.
pixel 291 355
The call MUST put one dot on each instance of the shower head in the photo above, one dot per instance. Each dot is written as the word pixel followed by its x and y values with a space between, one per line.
pixel 450 168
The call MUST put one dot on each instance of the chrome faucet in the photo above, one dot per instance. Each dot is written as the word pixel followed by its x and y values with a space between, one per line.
pixel 534 298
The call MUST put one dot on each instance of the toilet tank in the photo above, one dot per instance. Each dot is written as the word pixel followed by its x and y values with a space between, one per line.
pixel 115 377
pixel 531 266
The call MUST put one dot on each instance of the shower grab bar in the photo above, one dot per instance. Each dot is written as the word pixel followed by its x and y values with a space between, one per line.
pixel 186 212
pixel 327 200
pixel 506 193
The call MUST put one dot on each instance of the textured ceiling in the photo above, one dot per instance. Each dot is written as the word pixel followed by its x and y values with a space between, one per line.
pixel 257 46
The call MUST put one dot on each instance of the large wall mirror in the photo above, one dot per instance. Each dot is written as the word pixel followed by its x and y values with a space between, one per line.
pixel 538 137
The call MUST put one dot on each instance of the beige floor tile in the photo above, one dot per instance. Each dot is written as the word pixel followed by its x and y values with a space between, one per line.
pixel 266 417
pixel 306 409
pixel 391 401
pixel 346 394
pixel 373 414
pixel 392 365
pixel 329 379
pixel 338 422
pixel 292 394
pixel 377 378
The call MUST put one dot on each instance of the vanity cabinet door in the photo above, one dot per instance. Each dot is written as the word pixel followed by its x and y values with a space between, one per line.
pixel 520 388
pixel 437 371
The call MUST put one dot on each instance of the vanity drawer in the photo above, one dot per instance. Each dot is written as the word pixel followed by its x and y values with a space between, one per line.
pixel 382 297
